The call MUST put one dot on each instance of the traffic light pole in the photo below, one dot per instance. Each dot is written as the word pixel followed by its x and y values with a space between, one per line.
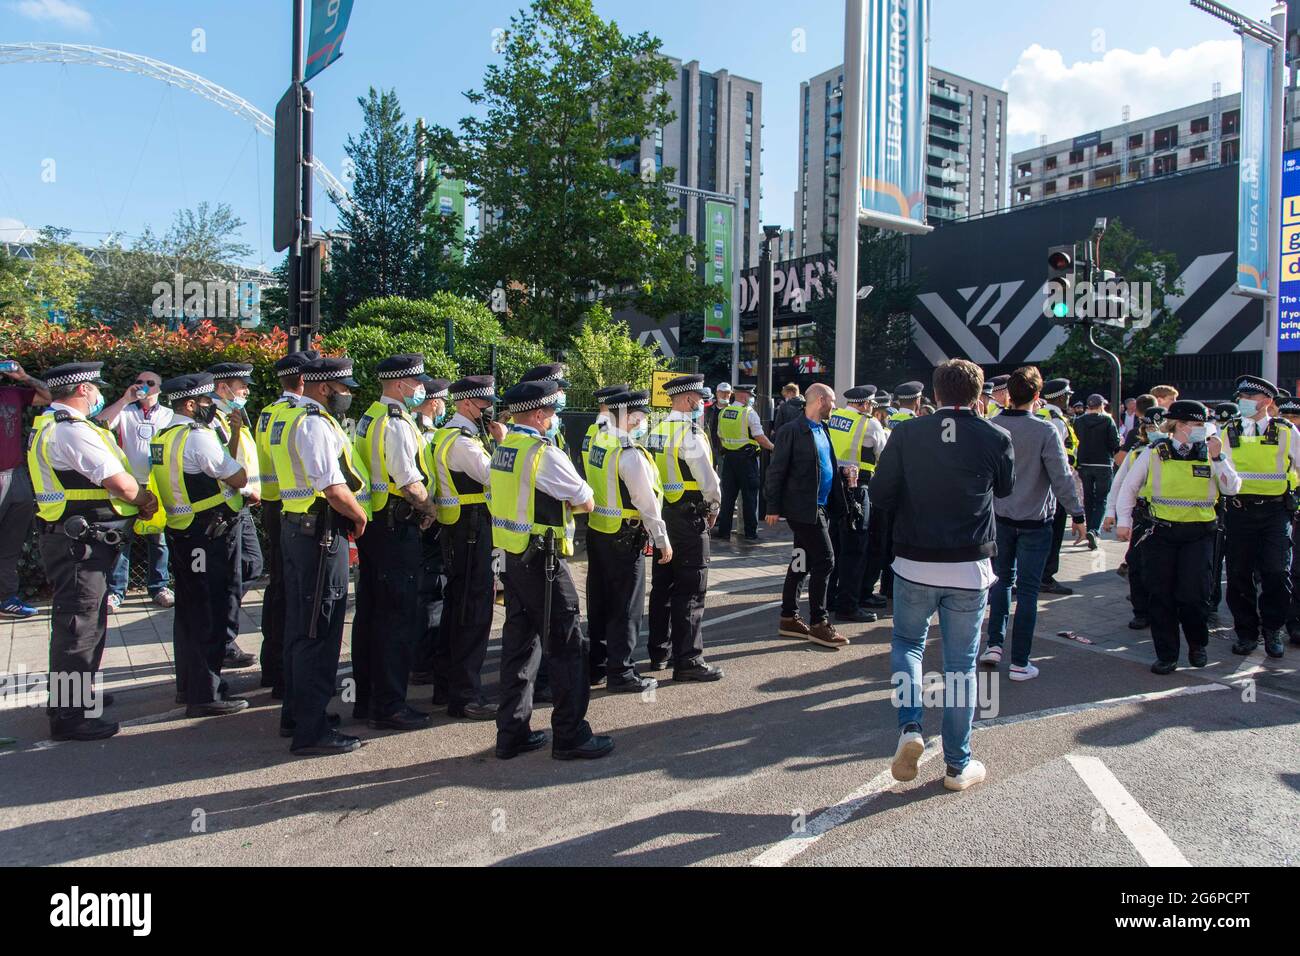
pixel 1116 370
pixel 294 298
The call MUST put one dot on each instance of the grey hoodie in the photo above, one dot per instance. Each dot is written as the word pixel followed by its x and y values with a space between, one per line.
pixel 1042 472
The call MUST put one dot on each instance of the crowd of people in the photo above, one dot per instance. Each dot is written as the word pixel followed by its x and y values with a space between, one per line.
pixel 947 507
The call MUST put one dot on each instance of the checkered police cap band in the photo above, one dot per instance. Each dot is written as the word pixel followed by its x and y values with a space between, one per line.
pixel 482 391
pixel 532 403
pixel 401 373
pixel 328 375
pixel 1059 393
pixel 684 389
pixel 440 393
pixel 205 389
pixel 72 378
pixel 239 373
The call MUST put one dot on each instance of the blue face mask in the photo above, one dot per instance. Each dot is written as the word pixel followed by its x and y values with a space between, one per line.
pixel 639 432
pixel 415 399
pixel 439 418
pixel 1197 435
pixel 697 413
pixel 97 407
pixel 562 404
pixel 1248 406
pixel 554 428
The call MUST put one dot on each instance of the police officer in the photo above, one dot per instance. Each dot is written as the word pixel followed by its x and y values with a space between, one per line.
pixel 601 395
pixel 428 417
pixel 288 371
pixel 1182 476
pixel 388 620
pixel 1257 521
pixel 629 498
pixel 998 397
pixel 459 466
pixel 86 500
pixel 199 482
pixel 1139 596
pixel 741 434
pixel 1056 399
pixel 324 494
pixel 534 494
pixel 856 441
pixel 692 499
pixel 551 372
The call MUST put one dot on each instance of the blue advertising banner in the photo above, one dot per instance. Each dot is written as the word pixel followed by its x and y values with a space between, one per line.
pixel 1288 317
pixel 896 97
pixel 1253 214
pixel 329 23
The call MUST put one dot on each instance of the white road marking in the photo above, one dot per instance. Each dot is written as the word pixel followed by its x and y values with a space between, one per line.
pixel 1151 842
pixel 796 843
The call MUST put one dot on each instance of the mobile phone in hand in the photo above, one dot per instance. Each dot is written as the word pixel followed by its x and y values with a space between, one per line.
pixel 8 366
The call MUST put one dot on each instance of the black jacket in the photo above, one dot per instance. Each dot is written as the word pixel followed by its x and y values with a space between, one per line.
pixel 794 474
pixel 787 412
pixel 939 475
pixel 1098 438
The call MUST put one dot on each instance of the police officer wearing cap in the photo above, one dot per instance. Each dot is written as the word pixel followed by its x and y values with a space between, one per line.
pixel 199 482
pixel 230 382
pixel 1056 399
pixel 627 517
pixel 459 464
pixel 535 492
pixel 288 371
pixel 692 499
pixel 741 433
pixel 388 620
pixel 324 494
pixel 429 416
pixel 998 396
pixel 86 499
pixel 721 399
pixel 552 372
pixel 601 395
pixel 1257 521
pixel 857 440
pixel 1181 476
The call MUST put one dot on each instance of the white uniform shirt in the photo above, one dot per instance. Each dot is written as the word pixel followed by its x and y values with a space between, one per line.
pixel 135 427
pixel 874 436
pixel 1224 474
pixel 636 471
pixel 695 452
pixel 204 454
pixel 319 445
pixel 74 446
pixel 467 455
pixel 1125 466
pixel 556 475
pixel 753 423
pixel 401 449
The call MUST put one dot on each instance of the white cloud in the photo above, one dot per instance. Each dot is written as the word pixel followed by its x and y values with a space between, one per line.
pixel 13 230
pixel 63 12
pixel 1048 98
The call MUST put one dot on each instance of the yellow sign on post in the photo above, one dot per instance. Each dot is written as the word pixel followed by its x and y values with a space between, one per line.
pixel 658 396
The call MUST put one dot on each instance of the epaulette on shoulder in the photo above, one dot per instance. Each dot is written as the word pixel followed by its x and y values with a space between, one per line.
pixel 394 411
pixel 312 409
pixel 61 416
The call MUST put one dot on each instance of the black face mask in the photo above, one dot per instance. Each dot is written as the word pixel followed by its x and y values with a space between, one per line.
pixel 205 414
pixel 488 415
pixel 339 403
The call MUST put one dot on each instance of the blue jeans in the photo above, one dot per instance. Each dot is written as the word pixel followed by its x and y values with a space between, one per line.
pixel 960 613
pixel 1022 555
pixel 158 577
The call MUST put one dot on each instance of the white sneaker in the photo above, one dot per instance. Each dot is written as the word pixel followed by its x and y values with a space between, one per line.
pixel 164 597
pixel 973 774
pixel 1028 672
pixel 910 746
pixel 992 656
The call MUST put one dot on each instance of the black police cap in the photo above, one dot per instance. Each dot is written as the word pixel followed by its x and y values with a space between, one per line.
pixel 400 366
pixel 193 385
pixel 473 386
pixel 1254 385
pixel 435 387
pixel 553 372
pixel 224 371
pixel 606 391
pixel 859 393
pixel 293 363
pixel 74 373
pixel 632 401
pixel 331 370
pixel 909 390
pixel 1056 387
pixel 684 384
pixel 527 396
pixel 1186 410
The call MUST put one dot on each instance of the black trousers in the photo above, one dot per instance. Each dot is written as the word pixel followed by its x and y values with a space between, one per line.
pixel 1058 535
pixel 1258 549
pixel 311 666
pixel 78 574
pixel 880 554
pixel 250 568
pixel 525 637
pixel 1096 486
pixel 1138 589
pixel 739 478
pixel 1220 556
pixel 467 607
pixel 272 656
pixel 845 589
pixel 1293 613
pixel 677 589
pixel 206 572
pixel 389 618
pixel 433 582
pixel 814 558
pixel 1177 563
pixel 615 600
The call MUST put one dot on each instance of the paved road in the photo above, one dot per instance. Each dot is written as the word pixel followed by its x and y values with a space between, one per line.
pixel 785 762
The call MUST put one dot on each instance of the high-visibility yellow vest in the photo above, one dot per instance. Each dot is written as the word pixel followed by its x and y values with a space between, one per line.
pixel 1050 412
pixel 245 454
pixel 665 445
pixel 450 490
pixel 613 504
pixel 1263 461
pixel 897 418
pixel 1181 491
pixel 166 456
pixel 733 428
pixel 848 427
pixel 297 496
pixel 370 450
pixel 514 497
pixel 54 493
pixel 994 409
pixel 594 429
pixel 262 436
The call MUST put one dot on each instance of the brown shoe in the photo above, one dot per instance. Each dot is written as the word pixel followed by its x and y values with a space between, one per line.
pixel 793 627
pixel 826 635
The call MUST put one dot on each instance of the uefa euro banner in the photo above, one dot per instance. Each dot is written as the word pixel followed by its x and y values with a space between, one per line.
pixel 896 96
pixel 329 24
pixel 1254 219
pixel 719 269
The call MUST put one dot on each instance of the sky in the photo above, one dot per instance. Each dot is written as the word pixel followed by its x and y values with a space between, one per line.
pixel 102 152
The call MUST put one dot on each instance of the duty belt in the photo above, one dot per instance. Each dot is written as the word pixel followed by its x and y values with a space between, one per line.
pixel 1256 501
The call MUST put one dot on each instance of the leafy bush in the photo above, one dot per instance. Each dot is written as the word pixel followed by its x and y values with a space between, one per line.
pixel 368 345
pixel 604 353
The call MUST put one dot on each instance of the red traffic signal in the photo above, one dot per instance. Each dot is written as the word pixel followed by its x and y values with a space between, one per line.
pixel 1060 261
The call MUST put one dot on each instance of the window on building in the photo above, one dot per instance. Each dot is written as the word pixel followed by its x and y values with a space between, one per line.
pixel 1049 188
pixel 1231 151
pixel 1137 169
pixel 1164 165
pixel 1076 157
pixel 1199 154
pixel 1049 163
pixel 1023 194
pixel 1166 138
pixel 1105 149
pixel 1135 141
pixel 1025 169
pixel 1076 182
pixel 1200 125
pixel 1232 122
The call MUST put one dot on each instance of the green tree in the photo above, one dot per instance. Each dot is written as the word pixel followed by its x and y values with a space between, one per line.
pixel 58 275
pixel 1142 349
pixel 15 299
pixel 554 153
pixel 604 353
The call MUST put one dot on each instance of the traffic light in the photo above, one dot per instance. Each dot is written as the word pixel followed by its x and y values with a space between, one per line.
pixel 1061 278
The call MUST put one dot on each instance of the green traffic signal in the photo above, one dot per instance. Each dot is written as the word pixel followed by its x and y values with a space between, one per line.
pixel 1061 310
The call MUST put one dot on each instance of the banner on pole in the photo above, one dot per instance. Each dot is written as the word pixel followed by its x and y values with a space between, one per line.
pixel 896 98
pixel 1254 218
pixel 329 23
pixel 1288 313
pixel 449 200
pixel 719 270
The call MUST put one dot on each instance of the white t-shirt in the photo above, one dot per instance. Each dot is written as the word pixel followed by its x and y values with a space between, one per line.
pixel 967 575
pixel 135 428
